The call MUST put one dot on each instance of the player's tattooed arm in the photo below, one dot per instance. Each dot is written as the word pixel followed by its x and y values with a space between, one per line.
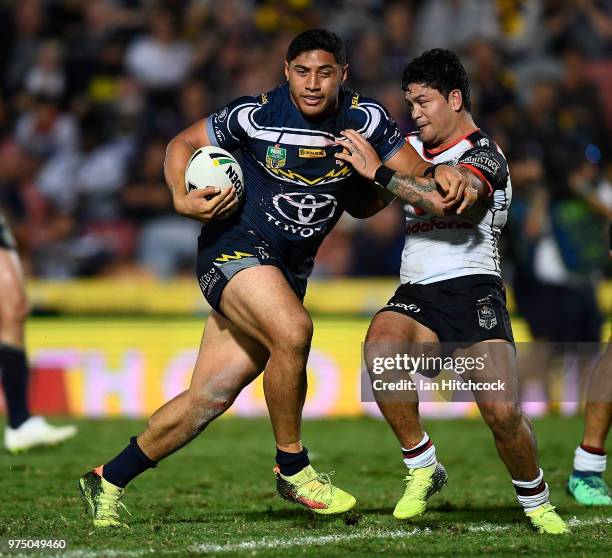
pixel 418 192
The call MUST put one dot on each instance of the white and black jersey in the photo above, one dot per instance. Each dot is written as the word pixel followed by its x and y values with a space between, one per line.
pixel 440 248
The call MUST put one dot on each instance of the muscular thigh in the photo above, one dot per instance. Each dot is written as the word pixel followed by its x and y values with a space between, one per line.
pixel 228 359
pixel 391 331
pixel 399 328
pixel 392 335
pixel 260 301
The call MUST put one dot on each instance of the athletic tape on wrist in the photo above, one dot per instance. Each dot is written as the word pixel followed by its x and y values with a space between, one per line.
pixel 383 176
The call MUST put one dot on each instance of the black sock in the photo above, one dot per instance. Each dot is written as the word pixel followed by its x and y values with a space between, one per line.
pixel 127 465
pixel 14 371
pixel 291 463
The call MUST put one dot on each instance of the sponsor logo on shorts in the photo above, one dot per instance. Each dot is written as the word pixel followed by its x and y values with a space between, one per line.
pixel 486 317
pixel 263 254
pixel 435 224
pixel 208 281
pixel 408 307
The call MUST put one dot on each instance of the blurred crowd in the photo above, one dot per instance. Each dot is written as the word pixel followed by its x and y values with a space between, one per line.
pixel 92 91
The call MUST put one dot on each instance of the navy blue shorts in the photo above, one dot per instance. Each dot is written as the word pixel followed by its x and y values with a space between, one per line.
pixel 222 254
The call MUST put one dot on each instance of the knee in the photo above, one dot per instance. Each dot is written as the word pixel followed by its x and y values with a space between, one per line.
pixel 375 355
pixel 503 418
pixel 206 404
pixel 379 353
pixel 294 335
pixel 381 343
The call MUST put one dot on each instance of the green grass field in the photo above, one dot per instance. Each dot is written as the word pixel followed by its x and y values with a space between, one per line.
pixel 216 497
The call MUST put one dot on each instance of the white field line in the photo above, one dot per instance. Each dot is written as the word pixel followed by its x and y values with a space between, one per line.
pixel 266 543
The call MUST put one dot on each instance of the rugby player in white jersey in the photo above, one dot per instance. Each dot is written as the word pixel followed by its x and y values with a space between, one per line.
pixel 451 290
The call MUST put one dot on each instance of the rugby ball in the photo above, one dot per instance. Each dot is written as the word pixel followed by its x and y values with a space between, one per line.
pixel 213 166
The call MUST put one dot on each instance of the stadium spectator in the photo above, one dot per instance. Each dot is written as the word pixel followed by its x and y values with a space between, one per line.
pixel 46 76
pixel 587 23
pixel 160 59
pixel 46 130
pixel 27 25
pixel 493 84
pixel 453 23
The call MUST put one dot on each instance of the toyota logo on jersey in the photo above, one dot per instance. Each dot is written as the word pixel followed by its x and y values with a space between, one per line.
pixel 305 209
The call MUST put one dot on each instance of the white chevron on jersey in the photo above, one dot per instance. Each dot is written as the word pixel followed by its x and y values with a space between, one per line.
pixel 440 248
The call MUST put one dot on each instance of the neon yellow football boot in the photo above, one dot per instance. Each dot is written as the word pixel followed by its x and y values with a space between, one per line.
pixel 547 521
pixel 314 491
pixel 102 499
pixel 421 484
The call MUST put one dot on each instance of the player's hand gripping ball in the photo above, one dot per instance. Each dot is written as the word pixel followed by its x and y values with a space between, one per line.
pixel 213 166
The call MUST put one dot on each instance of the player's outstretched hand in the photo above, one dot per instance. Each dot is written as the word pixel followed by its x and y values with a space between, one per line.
pixel 455 187
pixel 207 204
pixel 359 153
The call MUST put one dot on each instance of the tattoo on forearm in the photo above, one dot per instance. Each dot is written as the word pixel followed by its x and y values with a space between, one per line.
pixel 413 190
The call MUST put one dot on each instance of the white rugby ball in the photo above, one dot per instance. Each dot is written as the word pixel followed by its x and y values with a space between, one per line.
pixel 213 166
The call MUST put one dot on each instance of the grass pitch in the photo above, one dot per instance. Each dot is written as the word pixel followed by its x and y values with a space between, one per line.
pixel 216 496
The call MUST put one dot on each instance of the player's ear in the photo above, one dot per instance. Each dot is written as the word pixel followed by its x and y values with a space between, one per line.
pixel 287 70
pixel 344 74
pixel 455 99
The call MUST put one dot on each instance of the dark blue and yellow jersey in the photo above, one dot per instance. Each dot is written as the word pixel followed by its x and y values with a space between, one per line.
pixel 295 189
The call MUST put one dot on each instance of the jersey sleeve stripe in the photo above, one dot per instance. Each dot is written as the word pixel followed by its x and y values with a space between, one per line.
pixel 374 118
pixel 393 151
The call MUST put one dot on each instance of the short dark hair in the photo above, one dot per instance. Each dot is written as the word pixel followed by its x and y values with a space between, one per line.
pixel 317 39
pixel 439 69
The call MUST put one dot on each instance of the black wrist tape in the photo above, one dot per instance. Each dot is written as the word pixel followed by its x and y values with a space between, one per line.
pixel 383 176
pixel 430 172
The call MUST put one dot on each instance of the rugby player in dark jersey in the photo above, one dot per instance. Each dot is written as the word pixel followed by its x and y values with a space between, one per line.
pixel 253 266
pixel 451 290
pixel 23 430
